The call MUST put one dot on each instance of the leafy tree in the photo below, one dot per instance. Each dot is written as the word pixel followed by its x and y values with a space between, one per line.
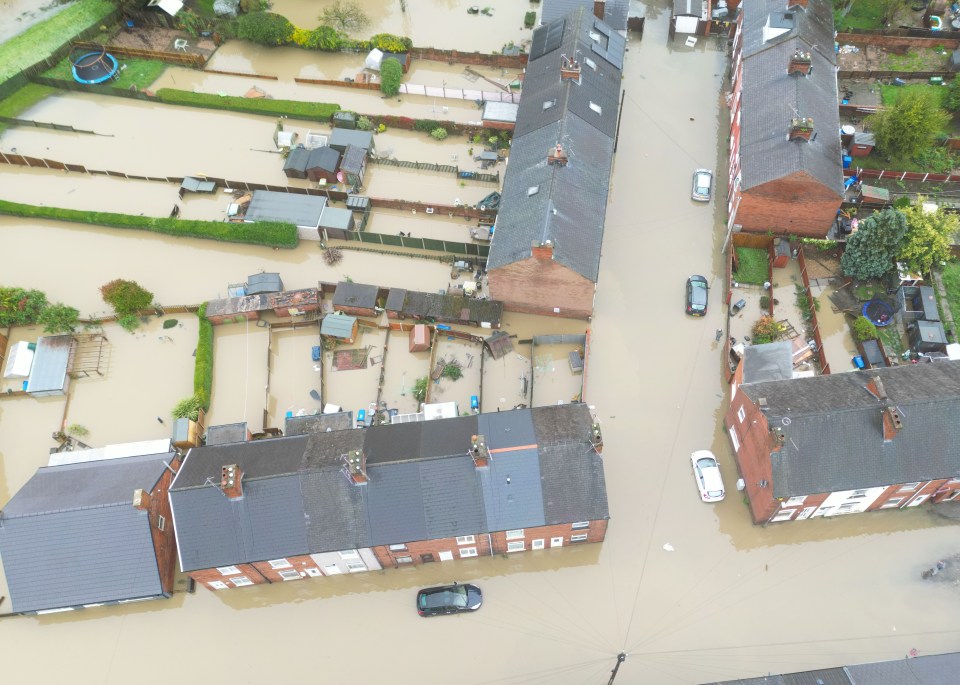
pixel 910 124
pixel 129 322
pixel 19 307
pixel 126 297
pixel 952 101
pixel 59 318
pixel 265 28
pixel 871 250
pixel 439 133
pixel 928 238
pixel 345 15
pixel 767 329
pixel 864 329
pixel 390 74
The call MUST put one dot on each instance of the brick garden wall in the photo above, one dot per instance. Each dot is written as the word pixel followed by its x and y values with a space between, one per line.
pixel 477 58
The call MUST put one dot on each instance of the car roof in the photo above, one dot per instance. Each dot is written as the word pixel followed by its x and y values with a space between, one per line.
pixel 697 279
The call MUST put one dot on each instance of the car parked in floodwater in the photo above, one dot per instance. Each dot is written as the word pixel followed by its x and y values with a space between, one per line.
pixel 697 290
pixel 702 185
pixel 706 472
pixel 449 599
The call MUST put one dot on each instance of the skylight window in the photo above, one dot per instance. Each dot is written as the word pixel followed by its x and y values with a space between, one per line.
pixel 533 190
pixel 595 37
pixel 596 108
pixel 591 63
pixel 548 104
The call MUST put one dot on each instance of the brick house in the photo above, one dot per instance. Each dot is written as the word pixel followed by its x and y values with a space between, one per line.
pixel 545 253
pixel 81 533
pixel 785 171
pixel 347 501
pixel 846 443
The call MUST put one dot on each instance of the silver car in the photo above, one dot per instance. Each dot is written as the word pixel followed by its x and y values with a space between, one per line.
pixel 702 185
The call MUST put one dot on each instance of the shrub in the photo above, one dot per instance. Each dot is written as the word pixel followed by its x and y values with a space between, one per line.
pixel 390 75
pixel 439 133
pixel 187 408
pixel 77 431
pixel 425 125
pixel 324 38
pixel 388 43
pixel 420 389
pixel 19 307
pixel 765 302
pixel 271 234
pixel 364 124
pixel 129 322
pixel 59 318
pixel 310 111
pixel 203 365
pixel 767 330
pixel 126 297
pixel 381 128
pixel 863 329
pixel 265 28
pixel 529 19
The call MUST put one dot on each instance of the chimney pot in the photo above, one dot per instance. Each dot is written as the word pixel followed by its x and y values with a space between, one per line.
pixel 801 128
pixel 231 481
pixel 800 63
pixel 141 499
pixel 356 464
pixel 557 156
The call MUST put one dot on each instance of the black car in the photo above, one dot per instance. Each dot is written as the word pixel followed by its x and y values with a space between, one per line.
pixel 448 599
pixel 697 296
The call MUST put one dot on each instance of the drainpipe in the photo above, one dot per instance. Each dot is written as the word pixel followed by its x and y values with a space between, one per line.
pixel 490 543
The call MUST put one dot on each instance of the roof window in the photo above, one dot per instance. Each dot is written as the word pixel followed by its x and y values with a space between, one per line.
pixel 591 63
pixel 548 104
pixel 596 108
pixel 533 190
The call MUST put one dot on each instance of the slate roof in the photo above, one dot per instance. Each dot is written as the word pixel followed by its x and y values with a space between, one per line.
pixel 771 97
pixel 317 423
pixel 325 158
pixel 444 308
pixel 353 156
pixel 615 11
pixel 834 434
pixel 563 204
pixel 355 295
pixel 938 669
pixel 297 160
pixel 422 484
pixel 71 535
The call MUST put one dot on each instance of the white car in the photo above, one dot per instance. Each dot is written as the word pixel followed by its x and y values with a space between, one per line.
pixel 707 474
pixel 702 185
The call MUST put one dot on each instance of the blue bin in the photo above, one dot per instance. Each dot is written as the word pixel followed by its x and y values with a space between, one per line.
pixel 25 384
pixel 858 362
pixel 847 161
pixel 474 402
pixel 361 417
pixel 315 353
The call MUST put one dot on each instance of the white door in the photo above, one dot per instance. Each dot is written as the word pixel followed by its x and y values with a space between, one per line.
pixel 556 542
pixel 918 500
pixel 331 570
pixel 446 556
pixel 537 544
pixel 805 513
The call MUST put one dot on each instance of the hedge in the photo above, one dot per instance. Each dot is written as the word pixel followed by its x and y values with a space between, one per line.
pixel 269 233
pixel 203 365
pixel 310 111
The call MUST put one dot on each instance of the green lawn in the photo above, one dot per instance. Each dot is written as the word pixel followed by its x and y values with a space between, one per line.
pixel 892 340
pixel 22 100
pixel 889 94
pixel 137 72
pixel 39 41
pixel 753 266
pixel 865 14
pixel 951 281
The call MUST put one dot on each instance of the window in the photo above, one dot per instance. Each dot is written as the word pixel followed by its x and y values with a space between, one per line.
pixel 580 525
pixel 892 502
pixel 784 515
pixel 596 108
pixel 846 507
pixel 280 563
pixel 398 548
pixel 356 566
pixel 161 522
pixel 350 554
pixel 217 585
pixel 537 544
pixel 240 581
pixel 733 439
pixel 515 534
pixel 582 537
pixel 228 570
pixel 404 560
pixel 290 574
pixel 533 190
pixel 313 572
pixel 590 63
pixel 794 501
pixel 741 414
pixel 466 540
pixel 548 104
pixel 468 552
pixel 909 486
pixel 515 546
pixel 857 494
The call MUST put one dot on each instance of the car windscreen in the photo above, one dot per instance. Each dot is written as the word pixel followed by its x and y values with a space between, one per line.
pixel 698 293
pixel 449 597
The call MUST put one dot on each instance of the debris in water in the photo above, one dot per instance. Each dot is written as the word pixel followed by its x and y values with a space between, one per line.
pixel 668 547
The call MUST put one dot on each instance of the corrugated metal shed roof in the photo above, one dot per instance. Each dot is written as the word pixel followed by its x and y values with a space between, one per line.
pixel 500 111
pixel 338 325
pixel 264 283
pixel 50 360
pixel 292 208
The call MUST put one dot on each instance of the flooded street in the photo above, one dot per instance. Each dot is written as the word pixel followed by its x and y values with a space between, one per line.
pixel 841 590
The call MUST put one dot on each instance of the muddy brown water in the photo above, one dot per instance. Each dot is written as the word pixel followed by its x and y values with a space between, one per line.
pixel 842 590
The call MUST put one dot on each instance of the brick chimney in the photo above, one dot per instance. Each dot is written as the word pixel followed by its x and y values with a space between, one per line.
pixel 557 156
pixel 231 477
pixel 356 462
pixel 542 251
pixel 777 439
pixel 569 69
pixel 797 3
pixel 875 387
pixel 892 423
pixel 596 438
pixel 141 500
pixel 801 128
pixel 479 451
pixel 599 8
pixel 800 63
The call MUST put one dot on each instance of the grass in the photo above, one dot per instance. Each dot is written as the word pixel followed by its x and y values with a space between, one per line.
pixel 889 94
pixel 951 281
pixel 892 340
pixel 308 111
pixel 865 14
pixel 754 266
pixel 141 73
pixel 869 290
pixel 40 40
pixel 22 100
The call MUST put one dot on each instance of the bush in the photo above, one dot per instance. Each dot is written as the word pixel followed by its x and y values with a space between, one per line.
pixel 420 389
pixel 19 307
pixel 309 111
pixel 187 408
pixel 452 371
pixel 863 329
pixel 129 322
pixel 388 43
pixel 265 28
pixel 126 297
pixel 59 318
pixel 271 234
pixel 767 330
pixel 439 133
pixel 529 19
pixel 390 75
pixel 203 365
pixel 324 38
pixel 765 303
pixel 425 125
pixel 364 124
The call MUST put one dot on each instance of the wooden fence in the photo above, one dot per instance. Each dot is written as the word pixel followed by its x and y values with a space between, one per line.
pixel 183 59
pixel 917 176
pixel 445 246
pixel 13 121
pixel 815 326
pixel 267 77
pixel 758 240
pixel 905 75
pixel 475 58
pixel 439 168
pixel 336 82
pixel 868 36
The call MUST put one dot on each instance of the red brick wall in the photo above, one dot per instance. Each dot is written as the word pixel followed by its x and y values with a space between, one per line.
pixel 796 204
pixel 753 457
pixel 300 563
pixel 164 543
pixel 537 287
pixel 355 311
pixel 208 575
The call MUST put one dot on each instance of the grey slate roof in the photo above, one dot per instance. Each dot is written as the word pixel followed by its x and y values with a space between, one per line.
pixel 353 156
pixel 771 97
pixel 340 138
pixel 325 158
pixel 355 295
pixel 939 669
pixel 422 484
pixel 71 535
pixel 297 160
pixel 317 423
pixel 834 434
pixel 768 362
pixel 563 204
pixel 291 208
pixel 226 433
pixel 615 11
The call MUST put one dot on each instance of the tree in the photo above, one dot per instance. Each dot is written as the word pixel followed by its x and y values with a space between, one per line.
pixel 345 15
pixel 390 74
pixel 265 28
pixel 59 318
pixel 126 297
pixel 928 238
pixel 871 250
pixel 910 124
pixel 324 38
pixel 19 307
pixel 952 101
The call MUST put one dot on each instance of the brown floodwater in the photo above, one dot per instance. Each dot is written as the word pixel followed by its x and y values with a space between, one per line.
pixel 700 612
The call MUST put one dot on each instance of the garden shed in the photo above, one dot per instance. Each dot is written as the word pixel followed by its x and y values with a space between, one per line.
pixel 862 144
pixel 236 309
pixel 340 326
pixel 295 166
pixel 502 115
pixel 420 338
pixel 358 299
pixel 340 138
pixel 322 164
pixel 336 222
pixel 294 302
pixel 19 361
pixel 353 165
pixel 264 283
pixel 344 119
pixel 49 373
pixel 927 336
pixel 918 302
pixel 303 211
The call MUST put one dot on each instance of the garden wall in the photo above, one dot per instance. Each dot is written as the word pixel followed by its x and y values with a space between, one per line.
pixel 824 363
pixel 894 42
pixel 501 61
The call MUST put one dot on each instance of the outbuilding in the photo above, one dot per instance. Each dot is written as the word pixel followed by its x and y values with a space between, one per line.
pixel 927 336
pixel 357 299
pixel 51 361
pixel 322 165
pixel 340 326
pixel 336 222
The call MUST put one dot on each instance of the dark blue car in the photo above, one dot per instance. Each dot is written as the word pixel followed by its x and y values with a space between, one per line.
pixel 448 599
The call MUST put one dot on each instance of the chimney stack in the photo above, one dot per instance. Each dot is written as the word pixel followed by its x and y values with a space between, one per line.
pixel 596 438
pixel 875 387
pixel 356 467
pixel 777 439
pixel 797 3
pixel 599 8
pixel 231 477
pixel 569 69
pixel 542 251
pixel 141 500
pixel 892 423
pixel 801 128
pixel 479 451
pixel 800 63
pixel 557 156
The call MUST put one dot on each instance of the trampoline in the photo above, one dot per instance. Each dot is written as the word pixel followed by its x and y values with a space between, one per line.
pixel 94 67
pixel 879 312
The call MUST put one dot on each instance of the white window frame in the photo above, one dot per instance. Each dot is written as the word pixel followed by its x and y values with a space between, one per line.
pixel 537 544
pixel 466 539
pixel 517 534
pixel 581 537
pixel 407 559
pixel 734 439
pixel 909 487
pixel 161 522
pixel 217 585
pixel 580 525
pixel 793 502
pixel 857 494
pixel 893 502
pixel 241 581
pixel 515 546
pixel 228 570
pixel 468 552
pixel 277 564
pixel 918 500
pixel 783 515
pixel 313 572
pixel 349 554
pixel 356 566
pixel 741 413
pixel 398 548
pixel 289 574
